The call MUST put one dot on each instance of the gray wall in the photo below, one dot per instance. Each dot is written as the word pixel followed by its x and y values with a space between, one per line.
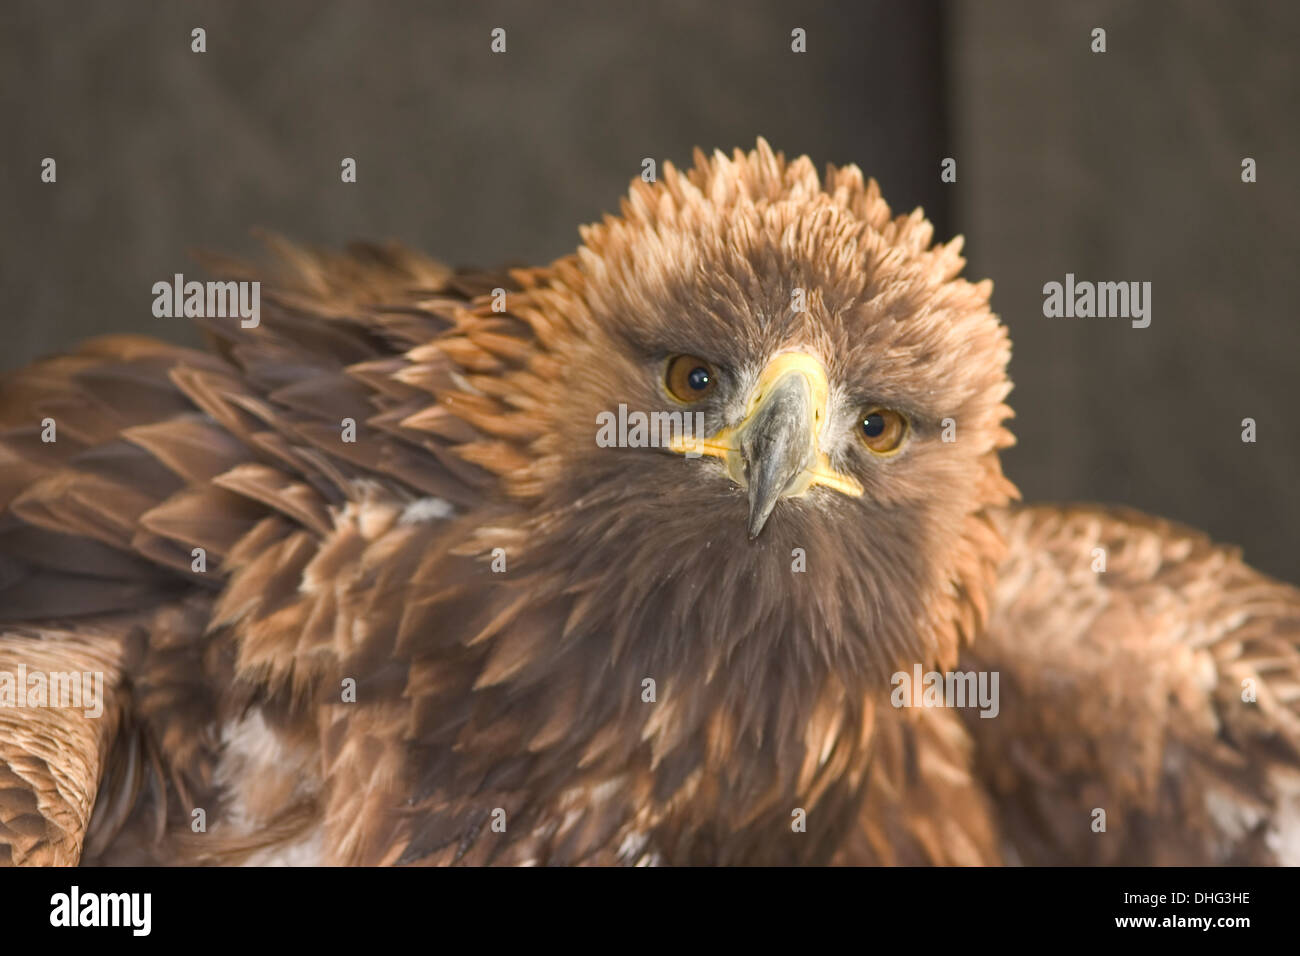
pixel 474 157
pixel 1116 166
pixel 1127 165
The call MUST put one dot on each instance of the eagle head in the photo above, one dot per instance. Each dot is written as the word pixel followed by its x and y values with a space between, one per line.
pixel 808 406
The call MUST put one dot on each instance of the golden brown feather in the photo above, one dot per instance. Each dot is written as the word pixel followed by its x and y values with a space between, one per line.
pixel 432 644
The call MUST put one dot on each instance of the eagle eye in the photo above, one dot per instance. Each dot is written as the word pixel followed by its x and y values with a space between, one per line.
pixel 883 430
pixel 689 378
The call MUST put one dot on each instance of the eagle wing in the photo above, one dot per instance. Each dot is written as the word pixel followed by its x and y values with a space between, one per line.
pixel 1149 696
pixel 135 477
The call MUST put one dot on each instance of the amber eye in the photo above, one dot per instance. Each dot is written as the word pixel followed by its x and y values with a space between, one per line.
pixel 883 430
pixel 689 378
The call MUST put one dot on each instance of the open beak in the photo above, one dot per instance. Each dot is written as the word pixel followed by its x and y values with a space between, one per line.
pixel 775 452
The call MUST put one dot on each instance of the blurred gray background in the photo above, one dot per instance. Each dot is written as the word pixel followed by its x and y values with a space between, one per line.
pixel 1117 166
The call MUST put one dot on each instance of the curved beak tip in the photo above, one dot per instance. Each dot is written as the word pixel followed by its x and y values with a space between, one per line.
pixel 757 519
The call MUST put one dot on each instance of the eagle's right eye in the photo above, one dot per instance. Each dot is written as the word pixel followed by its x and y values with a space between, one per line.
pixel 689 378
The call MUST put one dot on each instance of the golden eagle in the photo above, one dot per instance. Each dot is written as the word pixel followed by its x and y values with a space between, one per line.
pixel 362 586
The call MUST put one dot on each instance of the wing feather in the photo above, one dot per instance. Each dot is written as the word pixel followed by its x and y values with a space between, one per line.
pixel 1161 690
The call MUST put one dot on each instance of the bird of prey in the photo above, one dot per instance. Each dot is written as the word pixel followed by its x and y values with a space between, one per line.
pixel 364 587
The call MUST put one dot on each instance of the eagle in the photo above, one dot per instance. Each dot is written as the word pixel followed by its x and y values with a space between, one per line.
pixel 361 585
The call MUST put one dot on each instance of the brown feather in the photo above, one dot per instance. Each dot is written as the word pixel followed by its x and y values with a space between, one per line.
pixel 454 621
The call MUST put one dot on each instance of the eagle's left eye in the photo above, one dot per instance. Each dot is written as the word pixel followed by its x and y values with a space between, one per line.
pixel 883 430
pixel 689 378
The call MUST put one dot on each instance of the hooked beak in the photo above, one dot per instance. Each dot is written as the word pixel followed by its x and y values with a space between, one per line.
pixel 777 443
pixel 775 452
